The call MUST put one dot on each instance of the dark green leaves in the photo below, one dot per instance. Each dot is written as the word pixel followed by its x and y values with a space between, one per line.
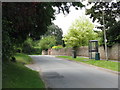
pixel 111 13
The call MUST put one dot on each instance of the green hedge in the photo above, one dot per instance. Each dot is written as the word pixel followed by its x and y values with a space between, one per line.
pixel 27 49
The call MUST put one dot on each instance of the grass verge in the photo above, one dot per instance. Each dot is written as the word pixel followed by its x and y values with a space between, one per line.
pixel 100 63
pixel 16 75
pixel 23 58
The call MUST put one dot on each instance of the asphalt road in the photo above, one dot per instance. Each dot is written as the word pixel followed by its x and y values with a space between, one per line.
pixel 60 73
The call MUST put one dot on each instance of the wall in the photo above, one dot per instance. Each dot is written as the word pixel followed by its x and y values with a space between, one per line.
pixel 44 52
pixel 113 52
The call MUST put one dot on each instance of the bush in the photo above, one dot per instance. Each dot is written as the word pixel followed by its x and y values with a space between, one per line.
pixel 47 42
pixel 57 47
pixel 19 50
pixel 8 48
pixel 37 51
pixel 28 49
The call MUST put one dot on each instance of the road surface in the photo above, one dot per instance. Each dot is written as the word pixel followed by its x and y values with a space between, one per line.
pixel 60 73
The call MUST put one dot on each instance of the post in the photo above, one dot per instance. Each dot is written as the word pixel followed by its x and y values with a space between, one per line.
pixel 105 40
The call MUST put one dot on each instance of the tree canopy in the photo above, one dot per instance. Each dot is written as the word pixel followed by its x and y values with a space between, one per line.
pixel 80 32
pixel 54 30
pixel 27 18
pixel 113 34
pixel 47 42
pixel 32 18
pixel 111 13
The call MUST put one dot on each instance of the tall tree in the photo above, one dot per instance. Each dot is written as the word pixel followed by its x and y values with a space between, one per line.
pixel 80 32
pixel 113 34
pixel 32 18
pixel 47 42
pixel 54 30
pixel 111 13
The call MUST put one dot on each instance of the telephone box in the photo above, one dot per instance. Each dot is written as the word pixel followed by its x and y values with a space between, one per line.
pixel 93 50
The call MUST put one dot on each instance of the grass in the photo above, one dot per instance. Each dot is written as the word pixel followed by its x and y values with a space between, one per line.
pixel 100 63
pixel 16 75
pixel 23 58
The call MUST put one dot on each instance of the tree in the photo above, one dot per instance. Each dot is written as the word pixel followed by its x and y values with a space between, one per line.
pixel 111 12
pixel 113 34
pixel 100 37
pixel 47 42
pixel 8 46
pixel 28 19
pixel 80 32
pixel 111 16
pixel 32 18
pixel 23 19
pixel 54 30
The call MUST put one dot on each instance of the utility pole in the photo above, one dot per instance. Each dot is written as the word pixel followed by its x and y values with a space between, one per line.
pixel 105 40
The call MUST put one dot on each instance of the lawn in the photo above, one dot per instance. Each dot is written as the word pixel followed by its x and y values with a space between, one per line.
pixel 16 75
pixel 100 63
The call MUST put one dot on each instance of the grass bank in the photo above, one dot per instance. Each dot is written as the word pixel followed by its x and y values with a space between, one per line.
pixel 16 75
pixel 100 63
pixel 23 58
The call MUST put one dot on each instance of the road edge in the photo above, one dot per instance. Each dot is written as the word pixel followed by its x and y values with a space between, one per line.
pixel 101 68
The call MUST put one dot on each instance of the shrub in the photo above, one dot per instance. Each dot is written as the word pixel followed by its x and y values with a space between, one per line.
pixel 27 49
pixel 18 50
pixel 47 42
pixel 57 47
pixel 37 51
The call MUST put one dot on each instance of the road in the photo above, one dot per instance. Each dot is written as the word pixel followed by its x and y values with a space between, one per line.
pixel 60 73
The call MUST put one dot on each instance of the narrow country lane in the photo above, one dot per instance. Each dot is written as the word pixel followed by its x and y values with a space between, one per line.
pixel 60 73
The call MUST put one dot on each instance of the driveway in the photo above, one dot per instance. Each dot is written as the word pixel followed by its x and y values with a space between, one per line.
pixel 61 73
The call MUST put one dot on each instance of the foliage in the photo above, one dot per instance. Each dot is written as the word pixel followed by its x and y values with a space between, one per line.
pixel 7 41
pixel 29 41
pixel 80 32
pixel 37 51
pixel 28 47
pixel 29 19
pixel 23 19
pixel 100 63
pixel 32 17
pixel 113 34
pixel 47 42
pixel 100 37
pixel 54 30
pixel 111 12
pixel 111 16
pixel 57 47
